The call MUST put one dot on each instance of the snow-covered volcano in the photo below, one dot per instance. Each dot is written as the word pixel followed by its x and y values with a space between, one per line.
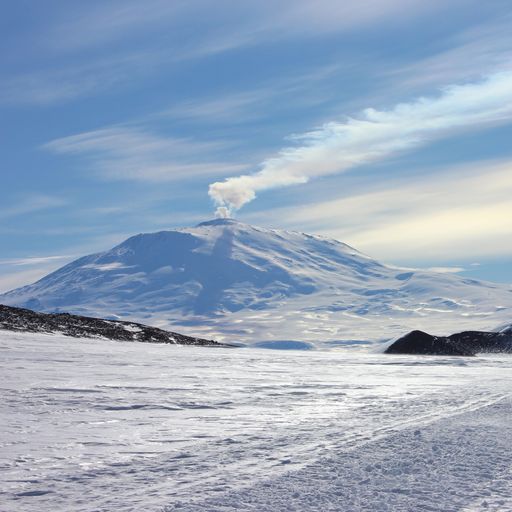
pixel 237 282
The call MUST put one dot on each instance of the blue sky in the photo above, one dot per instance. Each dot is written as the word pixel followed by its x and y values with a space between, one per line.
pixel 386 124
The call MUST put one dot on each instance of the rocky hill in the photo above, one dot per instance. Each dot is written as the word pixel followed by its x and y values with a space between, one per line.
pixel 25 320
pixel 467 343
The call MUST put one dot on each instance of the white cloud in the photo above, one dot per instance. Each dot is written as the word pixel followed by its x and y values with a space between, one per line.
pixel 291 92
pixel 142 38
pixel 466 55
pixel 123 153
pixel 30 204
pixel 13 280
pixel 234 107
pixel 35 268
pixel 303 17
pixel 88 26
pixel 225 24
pixel 53 84
pixel 375 135
pixel 251 23
pixel 446 270
pixel 34 260
pixel 458 213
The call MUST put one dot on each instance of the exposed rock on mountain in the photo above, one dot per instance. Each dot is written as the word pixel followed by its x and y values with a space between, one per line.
pixel 468 343
pixel 24 320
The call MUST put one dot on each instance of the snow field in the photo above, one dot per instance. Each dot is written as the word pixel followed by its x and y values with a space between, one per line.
pixel 97 425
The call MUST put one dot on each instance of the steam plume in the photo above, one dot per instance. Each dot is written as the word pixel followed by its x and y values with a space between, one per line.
pixel 337 147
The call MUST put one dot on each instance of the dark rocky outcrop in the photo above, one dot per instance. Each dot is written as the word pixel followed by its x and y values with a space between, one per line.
pixel 26 320
pixel 467 343
pixel 419 342
pixel 485 342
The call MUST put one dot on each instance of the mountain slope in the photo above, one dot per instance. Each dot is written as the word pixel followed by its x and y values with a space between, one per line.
pixel 237 282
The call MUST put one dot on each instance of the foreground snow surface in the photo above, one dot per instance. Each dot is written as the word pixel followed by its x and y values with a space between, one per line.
pixel 97 425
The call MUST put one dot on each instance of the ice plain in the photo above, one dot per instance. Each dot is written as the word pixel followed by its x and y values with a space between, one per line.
pixel 98 425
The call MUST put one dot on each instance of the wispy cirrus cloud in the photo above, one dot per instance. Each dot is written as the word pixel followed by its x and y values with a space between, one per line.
pixel 292 93
pixel 33 269
pixel 327 16
pixel 60 84
pixel 85 27
pixel 259 23
pixel 237 107
pixel 465 55
pixel 14 279
pixel 34 260
pixel 447 270
pixel 147 39
pixel 31 203
pixel 133 153
pixel 230 25
pixel 374 135
pixel 20 271
pixel 458 212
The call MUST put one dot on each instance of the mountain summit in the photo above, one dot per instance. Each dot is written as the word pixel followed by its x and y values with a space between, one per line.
pixel 237 282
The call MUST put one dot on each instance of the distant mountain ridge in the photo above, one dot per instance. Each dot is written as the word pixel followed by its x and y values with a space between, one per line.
pixel 231 281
